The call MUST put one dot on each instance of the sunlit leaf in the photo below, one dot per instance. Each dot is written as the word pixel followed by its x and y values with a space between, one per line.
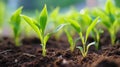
pixel 55 13
pixel 47 37
pixel 59 28
pixel 43 18
pixel 81 49
pixel 70 39
pixel 15 21
pixel 109 7
pixel 30 22
pixel 92 25
pixel 90 44
pixel 75 24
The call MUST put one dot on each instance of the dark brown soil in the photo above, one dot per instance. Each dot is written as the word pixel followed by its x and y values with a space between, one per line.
pixel 58 54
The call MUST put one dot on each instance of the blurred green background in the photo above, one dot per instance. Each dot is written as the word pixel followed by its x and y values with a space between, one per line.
pixel 33 5
pixel 7 7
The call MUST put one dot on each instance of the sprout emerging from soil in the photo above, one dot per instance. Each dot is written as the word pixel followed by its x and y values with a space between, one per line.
pixel 85 21
pixel 39 27
pixel 71 41
pixel 15 23
pixel 77 27
pixel 96 35
pixel 109 18
pixel 112 21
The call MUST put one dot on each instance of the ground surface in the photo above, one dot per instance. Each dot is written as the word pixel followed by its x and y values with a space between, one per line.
pixel 58 54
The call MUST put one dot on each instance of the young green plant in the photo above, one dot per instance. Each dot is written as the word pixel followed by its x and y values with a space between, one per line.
pixel 109 18
pixel 77 27
pixel 96 35
pixel 15 23
pixel 85 20
pixel 56 18
pixel 39 27
pixel 71 41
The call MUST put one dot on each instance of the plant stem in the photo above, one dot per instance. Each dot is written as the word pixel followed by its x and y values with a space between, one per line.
pixel 72 47
pixel 97 45
pixel 112 36
pixel 43 45
pixel 17 41
pixel 83 42
pixel 43 50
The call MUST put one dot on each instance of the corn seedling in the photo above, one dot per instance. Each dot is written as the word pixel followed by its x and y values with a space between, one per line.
pixel 85 20
pixel 15 23
pixel 96 35
pixel 109 19
pixel 39 27
pixel 77 27
pixel 71 41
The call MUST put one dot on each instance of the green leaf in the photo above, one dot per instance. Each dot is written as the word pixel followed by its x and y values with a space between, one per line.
pixel 88 46
pixel 46 38
pixel 59 28
pixel 56 30
pixel 75 24
pixel 104 17
pixel 109 7
pixel 16 16
pixel 15 21
pixel 111 18
pixel 89 29
pixel 32 24
pixel 70 39
pixel 55 13
pixel 107 24
pixel 81 49
pixel 43 18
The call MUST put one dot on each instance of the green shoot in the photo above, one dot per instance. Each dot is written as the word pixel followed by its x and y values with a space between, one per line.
pixel 110 10
pixel 39 27
pixel 85 21
pixel 77 27
pixel 71 41
pixel 15 23
pixel 109 19
pixel 96 35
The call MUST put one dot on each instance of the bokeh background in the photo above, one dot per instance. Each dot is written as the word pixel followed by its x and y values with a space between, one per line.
pixel 7 7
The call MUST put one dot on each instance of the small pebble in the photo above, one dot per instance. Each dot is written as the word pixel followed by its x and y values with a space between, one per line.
pixel 16 60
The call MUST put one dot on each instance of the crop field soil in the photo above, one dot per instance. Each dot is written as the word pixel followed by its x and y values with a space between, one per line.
pixel 58 53
pixel 85 38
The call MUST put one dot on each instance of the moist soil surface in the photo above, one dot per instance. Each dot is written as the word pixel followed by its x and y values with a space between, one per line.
pixel 58 53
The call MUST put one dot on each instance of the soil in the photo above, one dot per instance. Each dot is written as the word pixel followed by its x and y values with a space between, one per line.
pixel 58 53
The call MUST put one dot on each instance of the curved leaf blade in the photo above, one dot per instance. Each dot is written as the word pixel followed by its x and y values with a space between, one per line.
pixel 70 39
pixel 59 28
pixel 43 18
pixel 46 38
pixel 30 22
pixel 75 24
pixel 89 29
pixel 90 44
pixel 81 49
pixel 15 21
